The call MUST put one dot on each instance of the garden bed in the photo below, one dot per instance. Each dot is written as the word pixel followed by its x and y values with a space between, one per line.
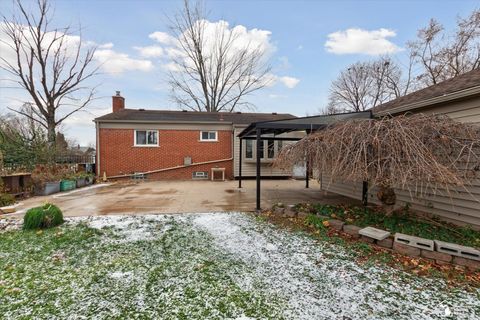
pixel 399 221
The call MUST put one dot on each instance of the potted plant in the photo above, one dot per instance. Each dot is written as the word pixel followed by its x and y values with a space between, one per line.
pixel 68 182
pixel 83 179
pixel 45 180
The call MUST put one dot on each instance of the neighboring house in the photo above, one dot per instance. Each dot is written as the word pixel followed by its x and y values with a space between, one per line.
pixel 458 98
pixel 178 144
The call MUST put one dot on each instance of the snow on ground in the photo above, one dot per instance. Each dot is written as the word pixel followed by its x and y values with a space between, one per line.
pixel 207 266
pixel 320 280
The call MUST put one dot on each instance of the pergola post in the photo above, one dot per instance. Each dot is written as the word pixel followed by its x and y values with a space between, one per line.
pixel 258 167
pixel 240 164
pixel 307 174
pixel 365 193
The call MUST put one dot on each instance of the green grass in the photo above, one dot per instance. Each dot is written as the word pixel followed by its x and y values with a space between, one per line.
pixel 208 266
pixel 401 221
pixel 94 273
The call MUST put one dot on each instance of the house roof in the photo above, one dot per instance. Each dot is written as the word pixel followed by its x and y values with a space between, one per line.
pixel 142 115
pixel 467 84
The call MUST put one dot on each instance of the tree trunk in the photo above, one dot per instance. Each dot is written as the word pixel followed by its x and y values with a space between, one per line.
pixel 51 137
pixel 388 198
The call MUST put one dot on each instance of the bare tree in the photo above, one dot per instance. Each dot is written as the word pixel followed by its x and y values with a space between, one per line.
pixel 214 69
pixel 365 85
pixel 51 64
pixel 443 56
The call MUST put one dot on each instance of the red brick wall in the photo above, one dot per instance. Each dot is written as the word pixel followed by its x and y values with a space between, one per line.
pixel 118 155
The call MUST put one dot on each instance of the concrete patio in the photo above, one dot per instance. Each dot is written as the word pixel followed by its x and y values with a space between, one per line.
pixel 180 197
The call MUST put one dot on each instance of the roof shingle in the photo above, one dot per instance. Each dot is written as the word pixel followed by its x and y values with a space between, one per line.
pixel 142 115
pixel 465 81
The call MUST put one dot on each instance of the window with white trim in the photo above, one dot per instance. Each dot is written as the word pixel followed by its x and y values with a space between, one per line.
pixel 200 175
pixel 269 149
pixel 208 136
pixel 248 149
pixel 146 138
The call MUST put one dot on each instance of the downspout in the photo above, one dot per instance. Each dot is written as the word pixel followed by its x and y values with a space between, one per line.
pixel 97 153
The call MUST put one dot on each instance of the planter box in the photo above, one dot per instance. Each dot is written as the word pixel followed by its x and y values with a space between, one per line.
pixel 67 185
pixel 81 182
pixel 48 188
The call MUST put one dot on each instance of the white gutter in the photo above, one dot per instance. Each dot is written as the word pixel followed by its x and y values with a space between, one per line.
pixel 97 153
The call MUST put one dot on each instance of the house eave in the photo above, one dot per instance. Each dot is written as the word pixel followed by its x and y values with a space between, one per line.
pixel 458 95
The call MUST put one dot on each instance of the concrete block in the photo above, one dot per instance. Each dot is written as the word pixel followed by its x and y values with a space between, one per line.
pixel 367 239
pixel 469 263
pixel 457 250
pixel 417 242
pixel 386 243
pixel 434 255
pixel 352 230
pixel 290 213
pixel 302 214
pixel 406 250
pixel 7 209
pixel 336 224
pixel 374 233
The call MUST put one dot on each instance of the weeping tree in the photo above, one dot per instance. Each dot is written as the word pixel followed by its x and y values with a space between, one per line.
pixel 421 153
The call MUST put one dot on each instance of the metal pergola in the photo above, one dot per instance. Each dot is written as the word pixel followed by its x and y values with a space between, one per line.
pixel 259 130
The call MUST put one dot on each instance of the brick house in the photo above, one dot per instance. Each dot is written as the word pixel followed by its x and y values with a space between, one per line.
pixel 164 144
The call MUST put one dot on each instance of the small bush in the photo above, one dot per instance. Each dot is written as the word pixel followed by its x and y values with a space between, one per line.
pixel 46 216
pixel 6 199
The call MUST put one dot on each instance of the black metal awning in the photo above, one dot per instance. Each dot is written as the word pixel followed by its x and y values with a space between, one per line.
pixel 272 129
pixel 312 123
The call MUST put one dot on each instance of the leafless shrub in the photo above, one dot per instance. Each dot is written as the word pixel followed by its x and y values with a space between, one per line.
pixel 413 152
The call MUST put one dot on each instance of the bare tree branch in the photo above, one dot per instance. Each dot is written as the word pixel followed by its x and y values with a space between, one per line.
pixel 213 74
pixel 50 64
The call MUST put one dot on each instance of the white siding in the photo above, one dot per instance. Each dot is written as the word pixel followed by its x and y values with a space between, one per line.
pixel 249 166
pixel 462 207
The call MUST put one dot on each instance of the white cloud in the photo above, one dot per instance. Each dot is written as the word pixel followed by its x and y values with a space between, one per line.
pixel 354 40
pixel 150 51
pixel 107 45
pixel 256 40
pixel 289 82
pixel 116 62
pixel 163 38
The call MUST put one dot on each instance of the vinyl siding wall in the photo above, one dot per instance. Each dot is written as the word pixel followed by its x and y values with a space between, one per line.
pixel 461 207
pixel 249 167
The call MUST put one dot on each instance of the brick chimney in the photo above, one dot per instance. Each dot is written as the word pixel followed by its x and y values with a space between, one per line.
pixel 118 102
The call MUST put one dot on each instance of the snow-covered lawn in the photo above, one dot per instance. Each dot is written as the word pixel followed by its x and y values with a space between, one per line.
pixel 205 266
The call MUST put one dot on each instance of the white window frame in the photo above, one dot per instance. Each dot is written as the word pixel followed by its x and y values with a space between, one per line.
pixel 265 158
pixel 209 140
pixel 146 138
pixel 204 177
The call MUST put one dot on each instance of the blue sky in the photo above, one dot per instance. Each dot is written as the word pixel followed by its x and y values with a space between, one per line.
pixel 298 34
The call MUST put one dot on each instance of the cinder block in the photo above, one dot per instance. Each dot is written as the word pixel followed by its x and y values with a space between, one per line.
pixel 367 239
pixel 406 250
pixel 457 250
pixel 352 230
pixel 374 233
pixel 417 242
pixel 434 255
pixel 386 243
pixel 469 263
pixel 336 224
